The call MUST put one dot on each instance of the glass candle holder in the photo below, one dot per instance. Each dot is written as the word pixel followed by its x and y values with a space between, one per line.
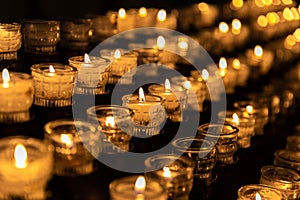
pixel 26 166
pixel 53 88
pixel 116 126
pixel 75 142
pixel 286 180
pixel 104 26
pixel 40 36
pixel 10 40
pixel 293 143
pixel 259 191
pixel 148 55
pixel 175 99
pixel 128 188
pixel 149 113
pixel 260 112
pixel 245 124
pixel 226 137
pixel 16 94
pixel 202 152
pixel 75 33
pixel 287 158
pixel 92 76
pixel 173 172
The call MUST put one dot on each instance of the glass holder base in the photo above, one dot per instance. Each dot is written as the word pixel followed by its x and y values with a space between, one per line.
pixel 52 102
pixel 14 117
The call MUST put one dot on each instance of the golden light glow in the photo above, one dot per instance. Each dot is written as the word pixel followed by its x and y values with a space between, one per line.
pixel 140 185
pixel 187 85
pixel 249 109
pixel 205 74
pixel 237 3
pixel 262 21
pixel 160 42
pixel 117 54
pixel 235 118
pixel 143 12
pixel 267 2
pixel 296 35
pixel 236 26
pixel 51 69
pixel 203 7
pixel 110 122
pixel 258 51
pixel 236 64
pixel 20 156
pixel 287 2
pixel 86 58
pixel 162 15
pixel 141 95
pixel 223 27
pixel 167 85
pixel 167 172
pixel 295 13
pixel 66 139
pixel 257 196
pixel 5 78
pixel 276 2
pixel 289 41
pixel 121 13
pixel 287 14
pixel 273 18
pixel 259 3
pixel 183 43
pixel 222 66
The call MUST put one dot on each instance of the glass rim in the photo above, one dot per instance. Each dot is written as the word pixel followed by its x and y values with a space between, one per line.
pixel 91 111
pixel 278 155
pixel 40 21
pixel 207 126
pixel 258 187
pixel 172 157
pixel 95 59
pixel 265 169
pixel 158 99
pixel 189 149
pixel 38 68
pixel 11 26
pixel 20 75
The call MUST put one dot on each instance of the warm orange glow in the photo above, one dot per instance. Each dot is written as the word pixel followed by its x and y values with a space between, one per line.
pixel 183 43
pixel 167 172
pixel 223 27
pixel 205 74
pixel 86 58
pixel 295 13
pixel 160 42
pixel 257 196
pixel 167 85
pixel 51 69
pixel 276 2
pixel 236 64
pixel 140 185
pixel 273 18
pixel 288 14
pixel 141 95
pixel 289 41
pixel 287 2
pixel 249 109
pixel 162 15
pixel 66 139
pixel 259 3
pixel 222 66
pixel 237 3
pixel 296 35
pixel 143 12
pixel 203 7
pixel 110 122
pixel 258 51
pixel 267 2
pixel 236 26
pixel 20 156
pixel 121 13
pixel 117 54
pixel 262 21
pixel 5 78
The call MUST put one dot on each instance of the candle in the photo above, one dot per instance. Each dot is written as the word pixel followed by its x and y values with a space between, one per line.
pixel 136 188
pixel 126 20
pixel 259 192
pixel 149 114
pixel 16 94
pixel 172 171
pixel 75 144
pixel 242 70
pixel 26 166
pixel 236 26
pixel 166 21
pixel 207 16
pixel 53 88
pixel 228 75
pixel 145 17
pixel 92 74
pixel 175 98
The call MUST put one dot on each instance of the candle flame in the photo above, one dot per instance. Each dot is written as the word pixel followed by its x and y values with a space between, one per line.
pixel 66 139
pixel 187 85
pixel 258 51
pixel 249 109
pixel 143 12
pixel 296 35
pixel 237 3
pixel 262 21
pixel 223 27
pixel 295 13
pixel 110 122
pixel 140 185
pixel 51 69
pixel 183 43
pixel 167 172
pixel 287 2
pixel 117 54
pixel 235 118
pixel 20 156
pixel 160 42
pixel 6 78
pixel 236 26
pixel 236 64
pixel 222 66
pixel 87 58
pixel 203 7
pixel 205 74
pixel 273 18
pixel 121 13
pixel 167 85
pixel 257 196
pixel 162 15
pixel 141 95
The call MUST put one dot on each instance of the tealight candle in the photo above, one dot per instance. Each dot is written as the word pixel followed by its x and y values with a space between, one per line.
pixel 145 17
pixel 163 20
pixel 53 84
pixel 75 144
pixel 173 172
pixel 243 72
pixel 228 75
pixel 92 74
pixel 16 94
pixel 207 16
pixel 126 20
pixel 175 98
pixel 149 113
pixel 259 192
pixel 136 188
pixel 26 166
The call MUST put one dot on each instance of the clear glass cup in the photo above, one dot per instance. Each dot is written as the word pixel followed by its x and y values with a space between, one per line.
pixel 283 179
pixel 202 152
pixel 175 173
pixel 225 137
pixel 40 36
pixel 287 158
pixel 75 143
pixel 250 192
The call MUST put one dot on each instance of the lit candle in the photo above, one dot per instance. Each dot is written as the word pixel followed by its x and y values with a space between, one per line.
pixel 125 20
pixel 16 94
pixel 26 164
pixel 257 196
pixel 161 42
pixel 161 15
pixel 243 72
pixel 143 12
pixel 223 27
pixel 205 74
pixel 237 3
pixel 236 26
pixel 183 46
pixel 222 66
pixel 140 186
pixel 260 192
pixel 165 21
